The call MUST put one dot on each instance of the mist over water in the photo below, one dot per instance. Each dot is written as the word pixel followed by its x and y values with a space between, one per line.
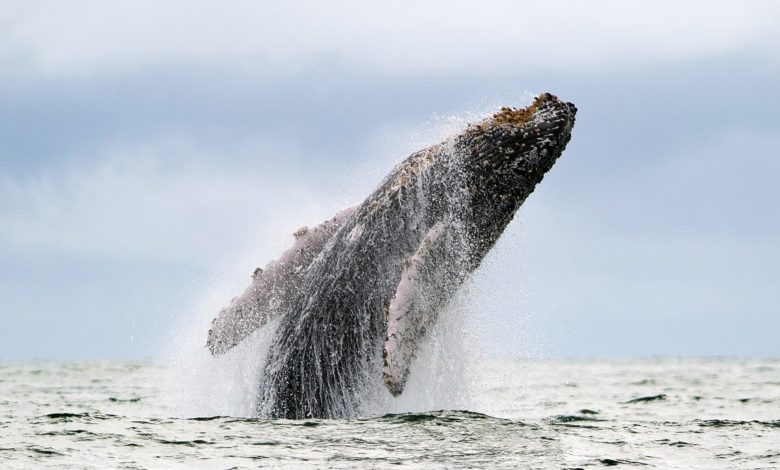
pixel 197 384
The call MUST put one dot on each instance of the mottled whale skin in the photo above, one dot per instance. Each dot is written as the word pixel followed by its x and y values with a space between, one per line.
pixel 353 298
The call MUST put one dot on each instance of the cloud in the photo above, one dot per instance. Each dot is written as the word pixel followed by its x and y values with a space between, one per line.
pixel 89 38
pixel 186 198
pixel 682 246
pixel 125 157
pixel 164 201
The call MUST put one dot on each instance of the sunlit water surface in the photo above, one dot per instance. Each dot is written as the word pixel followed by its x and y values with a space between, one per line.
pixel 651 413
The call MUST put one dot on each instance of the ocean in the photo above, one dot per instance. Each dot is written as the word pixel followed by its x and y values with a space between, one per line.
pixel 664 413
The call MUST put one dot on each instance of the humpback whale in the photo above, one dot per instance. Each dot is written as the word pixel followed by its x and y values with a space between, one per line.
pixel 352 299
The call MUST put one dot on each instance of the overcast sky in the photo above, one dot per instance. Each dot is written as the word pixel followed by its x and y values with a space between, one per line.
pixel 151 155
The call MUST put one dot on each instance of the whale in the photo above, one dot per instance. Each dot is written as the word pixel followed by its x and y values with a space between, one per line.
pixel 352 300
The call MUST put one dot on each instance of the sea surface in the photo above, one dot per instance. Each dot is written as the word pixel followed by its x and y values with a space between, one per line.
pixel 652 413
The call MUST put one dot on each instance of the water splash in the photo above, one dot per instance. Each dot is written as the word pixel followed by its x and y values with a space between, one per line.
pixel 232 384
pixel 442 208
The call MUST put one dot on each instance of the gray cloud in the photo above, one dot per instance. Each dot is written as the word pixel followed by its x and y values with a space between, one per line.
pixel 399 38
pixel 138 169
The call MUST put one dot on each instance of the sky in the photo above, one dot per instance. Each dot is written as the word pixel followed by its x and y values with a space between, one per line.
pixel 153 153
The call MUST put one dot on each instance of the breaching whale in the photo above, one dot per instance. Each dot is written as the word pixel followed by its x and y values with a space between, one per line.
pixel 352 299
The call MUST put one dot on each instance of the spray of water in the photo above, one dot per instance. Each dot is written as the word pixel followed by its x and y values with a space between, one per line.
pixel 441 375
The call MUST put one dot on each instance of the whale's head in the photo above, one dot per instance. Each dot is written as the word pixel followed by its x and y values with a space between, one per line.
pixel 507 155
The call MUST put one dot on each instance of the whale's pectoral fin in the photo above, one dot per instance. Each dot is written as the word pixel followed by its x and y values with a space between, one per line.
pixel 272 287
pixel 429 278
